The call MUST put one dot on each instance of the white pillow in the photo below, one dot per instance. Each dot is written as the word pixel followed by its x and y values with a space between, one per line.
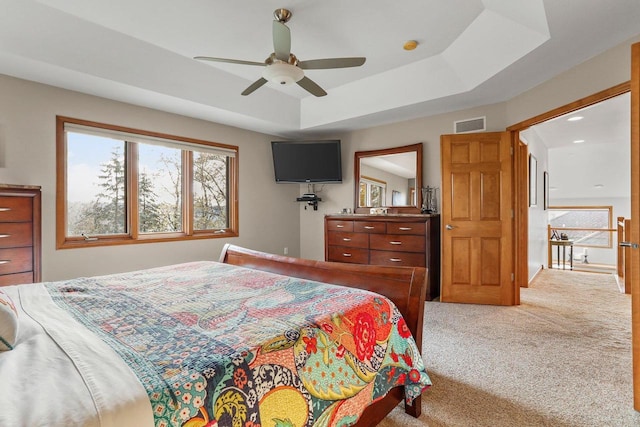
pixel 8 322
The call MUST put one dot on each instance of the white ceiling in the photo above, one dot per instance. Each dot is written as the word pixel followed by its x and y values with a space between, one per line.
pixel 400 164
pixel 471 52
pixel 600 165
pixel 607 122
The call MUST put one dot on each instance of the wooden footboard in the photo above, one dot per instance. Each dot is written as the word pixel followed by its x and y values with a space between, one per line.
pixel 405 286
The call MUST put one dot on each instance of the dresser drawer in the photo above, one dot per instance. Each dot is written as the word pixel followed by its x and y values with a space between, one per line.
pixel 15 209
pixel 393 240
pixel 16 260
pixel 352 240
pixel 338 225
pixel 406 228
pixel 15 234
pixel 346 254
pixel 397 242
pixel 370 227
pixel 16 279
pixel 408 259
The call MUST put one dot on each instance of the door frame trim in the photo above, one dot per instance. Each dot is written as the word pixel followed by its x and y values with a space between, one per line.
pixel 521 220
pixel 635 221
pixel 520 177
pixel 603 95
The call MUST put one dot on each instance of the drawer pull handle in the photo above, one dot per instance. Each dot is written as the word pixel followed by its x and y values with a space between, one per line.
pixel 346 239
pixel 339 226
pixel 5 209
pixel 346 255
pixel 395 243
pixel 4 235
pixel 5 261
pixel 395 259
pixel 406 228
pixel 369 227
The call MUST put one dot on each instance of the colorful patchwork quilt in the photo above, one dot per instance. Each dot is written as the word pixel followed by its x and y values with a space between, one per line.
pixel 221 345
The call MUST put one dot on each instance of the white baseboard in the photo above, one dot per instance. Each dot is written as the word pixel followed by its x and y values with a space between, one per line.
pixel 535 274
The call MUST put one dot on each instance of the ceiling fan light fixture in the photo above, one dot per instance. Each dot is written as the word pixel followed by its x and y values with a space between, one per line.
pixel 282 67
pixel 283 73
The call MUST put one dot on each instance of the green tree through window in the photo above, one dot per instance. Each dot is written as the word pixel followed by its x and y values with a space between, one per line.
pixel 123 187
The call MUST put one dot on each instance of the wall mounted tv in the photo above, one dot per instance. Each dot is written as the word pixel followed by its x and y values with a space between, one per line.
pixel 307 161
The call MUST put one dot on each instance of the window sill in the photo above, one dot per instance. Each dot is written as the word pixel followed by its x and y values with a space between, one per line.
pixel 76 243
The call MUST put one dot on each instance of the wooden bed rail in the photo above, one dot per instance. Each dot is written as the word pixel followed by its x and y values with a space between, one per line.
pixel 406 287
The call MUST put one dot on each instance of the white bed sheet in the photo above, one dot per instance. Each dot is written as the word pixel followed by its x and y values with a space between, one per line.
pixel 61 374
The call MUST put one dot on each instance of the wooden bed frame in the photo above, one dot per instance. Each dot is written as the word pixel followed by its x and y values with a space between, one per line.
pixel 405 286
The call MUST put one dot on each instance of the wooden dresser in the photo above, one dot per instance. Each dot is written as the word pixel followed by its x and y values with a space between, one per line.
pixel 403 239
pixel 19 234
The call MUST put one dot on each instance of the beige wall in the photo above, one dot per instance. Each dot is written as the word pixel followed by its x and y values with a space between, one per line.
pixel 598 73
pixel 426 130
pixel 601 72
pixel 269 215
pixel 270 219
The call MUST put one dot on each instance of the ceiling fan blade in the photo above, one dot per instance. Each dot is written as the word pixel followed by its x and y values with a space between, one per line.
pixel 231 61
pixel 311 87
pixel 255 85
pixel 321 64
pixel 281 41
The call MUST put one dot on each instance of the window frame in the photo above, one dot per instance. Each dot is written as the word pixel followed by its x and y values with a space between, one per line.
pixel 369 183
pixel 134 236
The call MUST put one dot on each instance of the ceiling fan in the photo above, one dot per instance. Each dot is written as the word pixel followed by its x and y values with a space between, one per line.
pixel 283 67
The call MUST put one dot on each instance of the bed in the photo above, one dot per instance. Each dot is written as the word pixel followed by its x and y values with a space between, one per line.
pixel 252 340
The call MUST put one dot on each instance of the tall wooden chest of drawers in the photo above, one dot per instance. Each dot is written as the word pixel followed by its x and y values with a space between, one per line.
pixel 19 234
pixel 404 239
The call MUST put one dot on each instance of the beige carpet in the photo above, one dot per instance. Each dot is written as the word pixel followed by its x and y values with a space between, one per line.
pixel 562 358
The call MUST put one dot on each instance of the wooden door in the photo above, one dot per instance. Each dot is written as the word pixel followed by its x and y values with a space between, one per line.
pixel 477 219
pixel 634 257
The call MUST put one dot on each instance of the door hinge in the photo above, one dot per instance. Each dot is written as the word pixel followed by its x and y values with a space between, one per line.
pixel 513 277
pixel 511 150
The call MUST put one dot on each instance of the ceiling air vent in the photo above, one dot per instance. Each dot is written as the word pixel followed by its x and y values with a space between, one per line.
pixel 470 125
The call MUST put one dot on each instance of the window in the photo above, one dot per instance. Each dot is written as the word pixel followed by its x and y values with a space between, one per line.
pixel 372 192
pixel 588 226
pixel 118 185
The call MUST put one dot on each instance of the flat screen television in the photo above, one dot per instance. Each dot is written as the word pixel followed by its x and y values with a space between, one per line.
pixel 307 161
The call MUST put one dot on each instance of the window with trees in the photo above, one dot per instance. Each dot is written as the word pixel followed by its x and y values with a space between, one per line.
pixel 372 192
pixel 119 185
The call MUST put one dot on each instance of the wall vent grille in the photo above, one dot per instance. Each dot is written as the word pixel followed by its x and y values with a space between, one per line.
pixel 478 124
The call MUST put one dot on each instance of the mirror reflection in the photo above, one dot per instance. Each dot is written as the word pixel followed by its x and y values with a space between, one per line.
pixel 389 178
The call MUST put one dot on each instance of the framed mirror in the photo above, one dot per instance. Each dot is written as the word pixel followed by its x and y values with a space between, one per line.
pixel 389 178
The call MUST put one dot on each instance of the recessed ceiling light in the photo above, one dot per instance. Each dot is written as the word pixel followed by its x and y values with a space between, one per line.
pixel 598 186
pixel 578 141
pixel 410 45
pixel 575 118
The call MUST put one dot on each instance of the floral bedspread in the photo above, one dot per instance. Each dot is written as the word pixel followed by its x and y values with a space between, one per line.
pixel 220 345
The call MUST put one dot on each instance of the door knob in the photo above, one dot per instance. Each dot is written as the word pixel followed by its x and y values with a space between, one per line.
pixel 629 245
pixel 449 227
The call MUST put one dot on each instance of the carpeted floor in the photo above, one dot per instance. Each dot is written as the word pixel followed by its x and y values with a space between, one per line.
pixel 562 358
